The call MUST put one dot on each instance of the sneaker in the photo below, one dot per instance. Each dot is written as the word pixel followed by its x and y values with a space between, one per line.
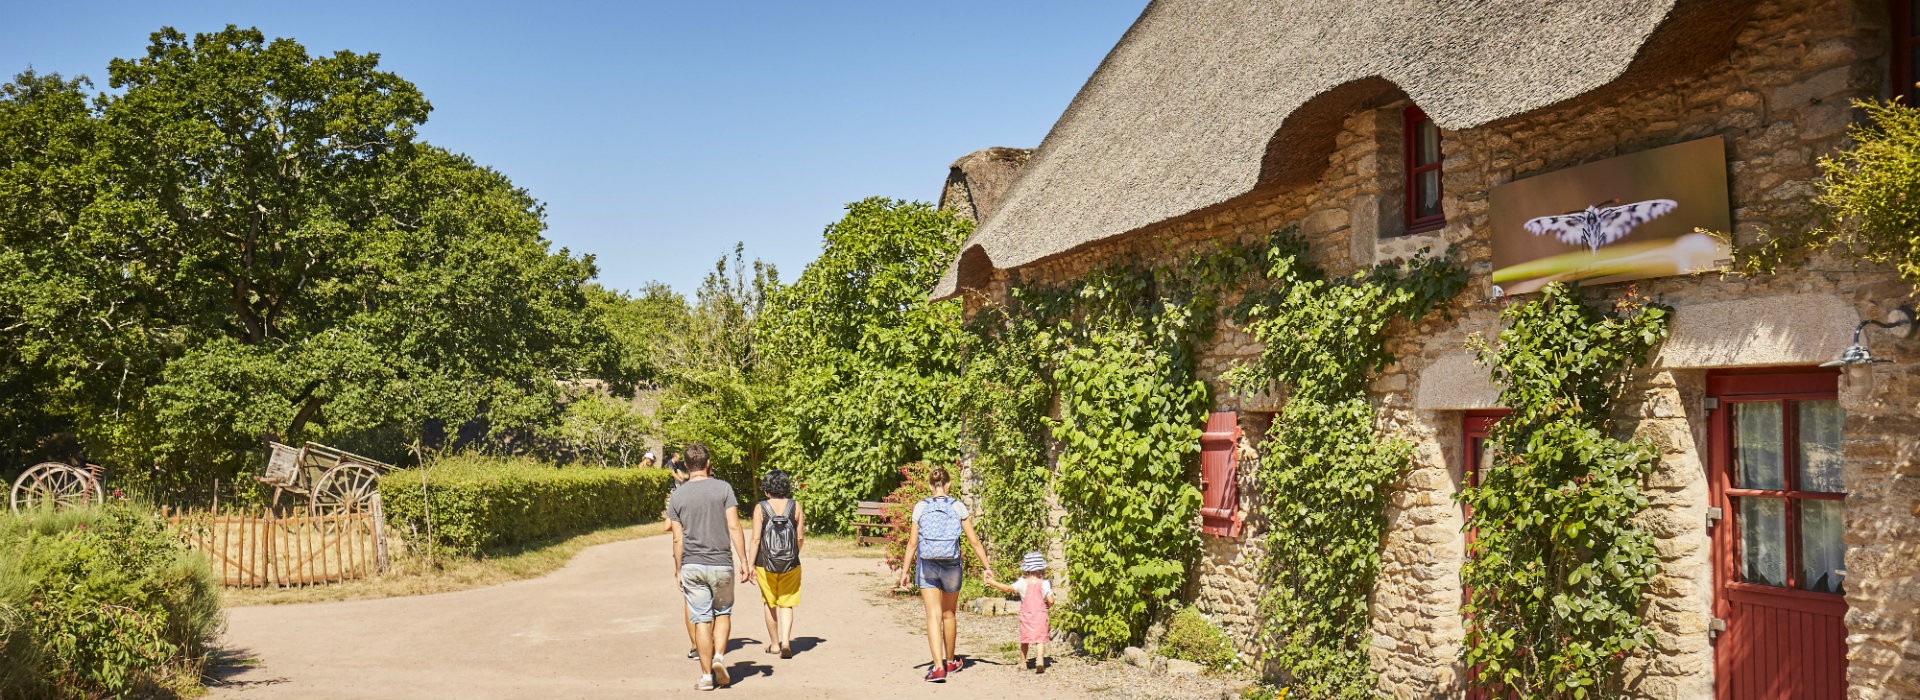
pixel 954 665
pixel 706 683
pixel 937 673
pixel 720 677
pixel 693 653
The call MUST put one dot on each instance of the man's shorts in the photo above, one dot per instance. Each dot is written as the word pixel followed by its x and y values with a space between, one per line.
pixel 709 591
pixel 936 573
pixel 780 590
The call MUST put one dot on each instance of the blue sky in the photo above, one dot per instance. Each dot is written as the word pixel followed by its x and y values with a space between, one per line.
pixel 657 133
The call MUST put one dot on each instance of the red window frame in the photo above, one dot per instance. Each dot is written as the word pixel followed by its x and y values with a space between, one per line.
pixel 1900 59
pixel 1414 118
pixel 1786 388
pixel 1220 475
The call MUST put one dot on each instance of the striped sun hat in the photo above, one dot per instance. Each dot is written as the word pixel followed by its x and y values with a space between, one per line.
pixel 1033 562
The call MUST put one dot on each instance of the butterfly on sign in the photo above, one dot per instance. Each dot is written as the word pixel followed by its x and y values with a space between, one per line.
pixel 1601 223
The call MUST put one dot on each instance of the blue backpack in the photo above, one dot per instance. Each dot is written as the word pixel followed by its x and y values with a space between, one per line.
pixel 939 529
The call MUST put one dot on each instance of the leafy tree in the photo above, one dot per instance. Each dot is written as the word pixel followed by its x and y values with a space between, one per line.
pixel 601 429
pixel 639 326
pixel 247 241
pixel 719 391
pixel 867 365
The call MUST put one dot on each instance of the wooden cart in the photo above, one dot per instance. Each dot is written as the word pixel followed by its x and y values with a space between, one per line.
pixel 57 485
pixel 335 482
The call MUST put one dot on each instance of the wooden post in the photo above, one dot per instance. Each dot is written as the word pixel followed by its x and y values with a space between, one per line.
pixel 379 534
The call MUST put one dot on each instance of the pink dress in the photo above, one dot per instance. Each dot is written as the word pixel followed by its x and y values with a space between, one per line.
pixel 1033 611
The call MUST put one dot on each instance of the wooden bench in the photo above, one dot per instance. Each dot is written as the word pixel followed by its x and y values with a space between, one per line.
pixel 870 524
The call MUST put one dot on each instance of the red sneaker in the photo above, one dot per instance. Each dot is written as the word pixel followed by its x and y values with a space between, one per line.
pixel 954 665
pixel 937 673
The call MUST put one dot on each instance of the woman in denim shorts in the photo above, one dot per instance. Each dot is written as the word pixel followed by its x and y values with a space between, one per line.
pixel 934 564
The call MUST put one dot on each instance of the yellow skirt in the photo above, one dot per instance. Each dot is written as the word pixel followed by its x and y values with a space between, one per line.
pixel 779 590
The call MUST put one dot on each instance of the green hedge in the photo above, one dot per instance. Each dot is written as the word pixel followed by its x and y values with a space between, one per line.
pixel 479 503
pixel 102 602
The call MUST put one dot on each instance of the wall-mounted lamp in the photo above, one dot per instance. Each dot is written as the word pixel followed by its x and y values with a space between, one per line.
pixel 1856 354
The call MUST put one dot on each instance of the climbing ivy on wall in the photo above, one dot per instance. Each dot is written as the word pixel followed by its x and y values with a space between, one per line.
pixel 1558 563
pixel 1324 469
pixel 1004 395
pixel 1116 350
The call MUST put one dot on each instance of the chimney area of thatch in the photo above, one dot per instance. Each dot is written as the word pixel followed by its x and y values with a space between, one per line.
pixel 978 181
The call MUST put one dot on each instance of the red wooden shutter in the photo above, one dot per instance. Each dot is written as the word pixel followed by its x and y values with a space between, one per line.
pixel 1220 475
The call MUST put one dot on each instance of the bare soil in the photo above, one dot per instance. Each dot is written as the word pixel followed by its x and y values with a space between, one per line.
pixel 609 624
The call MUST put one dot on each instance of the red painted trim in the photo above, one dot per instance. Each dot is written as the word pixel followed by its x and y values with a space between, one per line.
pixel 1798 383
pixel 1413 118
pixel 1806 495
pixel 1789 598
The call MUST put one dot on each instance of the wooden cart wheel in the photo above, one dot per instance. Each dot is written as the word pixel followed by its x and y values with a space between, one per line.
pixel 346 488
pixel 56 485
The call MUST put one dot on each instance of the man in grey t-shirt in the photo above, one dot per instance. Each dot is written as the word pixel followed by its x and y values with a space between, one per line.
pixel 708 552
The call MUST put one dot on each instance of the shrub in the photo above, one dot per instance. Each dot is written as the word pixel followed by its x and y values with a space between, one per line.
pixel 599 429
pixel 1193 637
pixel 101 603
pixel 479 503
pixel 897 510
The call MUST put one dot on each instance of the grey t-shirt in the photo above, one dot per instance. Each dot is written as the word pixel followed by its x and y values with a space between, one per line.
pixel 702 508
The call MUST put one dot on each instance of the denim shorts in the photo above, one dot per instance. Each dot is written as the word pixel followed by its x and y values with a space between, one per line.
pixel 944 574
pixel 709 591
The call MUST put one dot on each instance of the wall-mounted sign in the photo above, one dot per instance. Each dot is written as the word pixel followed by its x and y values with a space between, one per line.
pixel 1619 219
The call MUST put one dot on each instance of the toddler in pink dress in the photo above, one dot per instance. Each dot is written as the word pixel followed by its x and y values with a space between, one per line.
pixel 1036 596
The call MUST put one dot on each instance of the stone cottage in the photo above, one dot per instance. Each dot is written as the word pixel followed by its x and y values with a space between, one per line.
pixel 1380 129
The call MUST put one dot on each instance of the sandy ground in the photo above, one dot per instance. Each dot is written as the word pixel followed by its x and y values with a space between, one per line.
pixel 609 625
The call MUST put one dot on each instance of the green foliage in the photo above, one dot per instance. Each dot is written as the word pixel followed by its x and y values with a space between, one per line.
pixel 1558 564
pixel 1115 349
pixel 1868 199
pixel 719 390
pixel 639 326
pixel 1004 397
pixel 101 603
pixel 243 240
pixel 1325 470
pixel 1129 428
pixel 1193 637
pixel 867 365
pixel 479 503
pixel 602 430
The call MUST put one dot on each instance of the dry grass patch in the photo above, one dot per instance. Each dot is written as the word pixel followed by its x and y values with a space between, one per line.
pixel 418 575
pixel 836 547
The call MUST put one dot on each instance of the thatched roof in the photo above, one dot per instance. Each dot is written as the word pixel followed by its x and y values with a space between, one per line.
pixel 1206 101
pixel 978 181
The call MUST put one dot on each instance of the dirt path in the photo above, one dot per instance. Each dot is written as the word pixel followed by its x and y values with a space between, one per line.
pixel 606 625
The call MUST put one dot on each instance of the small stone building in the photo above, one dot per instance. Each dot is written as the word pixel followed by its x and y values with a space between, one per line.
pixel 1380 129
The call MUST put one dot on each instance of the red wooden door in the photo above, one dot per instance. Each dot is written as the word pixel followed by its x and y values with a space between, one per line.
pixel 1477 429
pixel 1775 452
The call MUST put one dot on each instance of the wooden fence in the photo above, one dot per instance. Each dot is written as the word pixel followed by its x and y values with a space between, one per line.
pixel 258 549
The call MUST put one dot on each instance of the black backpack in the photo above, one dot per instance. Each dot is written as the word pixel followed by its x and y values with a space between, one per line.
pixel 779 539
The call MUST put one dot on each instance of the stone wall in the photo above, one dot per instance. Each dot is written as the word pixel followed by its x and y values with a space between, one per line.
pixel 1780 101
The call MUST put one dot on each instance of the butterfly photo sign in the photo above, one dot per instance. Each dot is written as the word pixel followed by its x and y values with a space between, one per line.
pixel 1625 218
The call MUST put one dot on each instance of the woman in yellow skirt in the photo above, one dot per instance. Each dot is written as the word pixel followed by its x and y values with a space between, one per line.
pixel 779 528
